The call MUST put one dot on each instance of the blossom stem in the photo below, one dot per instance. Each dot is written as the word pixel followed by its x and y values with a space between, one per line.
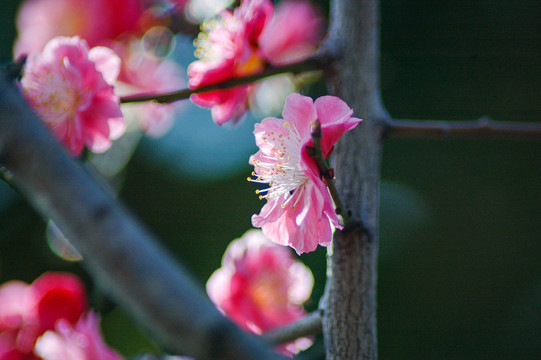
pixel 311 64
pixel 308 325
pixel 327 174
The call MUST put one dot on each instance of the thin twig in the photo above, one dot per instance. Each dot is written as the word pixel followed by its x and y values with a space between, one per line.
pixel 327 174
pixel 307 326
pixel 481 127
pixel 311 64
pixel 123 257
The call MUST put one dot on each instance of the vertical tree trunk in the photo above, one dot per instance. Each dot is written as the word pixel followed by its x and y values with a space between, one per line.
pixel 349 305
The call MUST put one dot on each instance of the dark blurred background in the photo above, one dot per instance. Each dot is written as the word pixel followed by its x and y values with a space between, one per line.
pixel 460 249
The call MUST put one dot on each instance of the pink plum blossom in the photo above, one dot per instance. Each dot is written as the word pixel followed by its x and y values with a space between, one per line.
pixel 261 286
pixel 226 51
pixel 299 211
pixel 293 34
pixel 70 88
pixel 27 311
pixel 96 21
pixel 143 73
pixel 242 43
pixel 82 341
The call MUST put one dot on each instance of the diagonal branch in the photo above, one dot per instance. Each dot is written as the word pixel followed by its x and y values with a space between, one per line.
pixel 311 64
pixel 481 127
pixel 121 255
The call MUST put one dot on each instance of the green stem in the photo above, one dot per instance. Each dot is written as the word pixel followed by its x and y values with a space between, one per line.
pixel 327 174
pixel 314 63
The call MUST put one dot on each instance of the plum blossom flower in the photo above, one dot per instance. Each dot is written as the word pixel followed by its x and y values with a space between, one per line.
pixel 143 73
pixel 82 341
pixel 261 286
pixel 118 25
pixel 70 87
pixel 226 51
pixel 242 43
pixel 27 311
pixel 299 211
pixel 293 34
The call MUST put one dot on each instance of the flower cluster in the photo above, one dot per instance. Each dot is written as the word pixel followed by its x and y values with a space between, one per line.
pixel 49 320
pixel 243 42
pixel 119 25
pixel 260 286
pixel 70 87
pixel 299 211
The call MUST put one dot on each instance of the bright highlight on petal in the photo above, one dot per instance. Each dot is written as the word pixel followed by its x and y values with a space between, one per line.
pixel 261 286
pixel 70 87
pixel 299 211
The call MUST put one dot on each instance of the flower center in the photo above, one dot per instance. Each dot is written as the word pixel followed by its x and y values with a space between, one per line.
pixel 251 66
pixel 280 169
pixel 53 95
pixel 270 291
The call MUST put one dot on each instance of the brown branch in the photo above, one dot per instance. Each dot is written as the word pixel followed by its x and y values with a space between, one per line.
pixel 349 303
pixel 308 325
pixel 481 127
pixel 311 64
pixel 121 255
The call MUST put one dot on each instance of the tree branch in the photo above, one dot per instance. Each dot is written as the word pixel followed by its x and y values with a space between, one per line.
pixel 123 257
pixel 481 127
pixel 308 325
pixel 315 63
pixel 349 303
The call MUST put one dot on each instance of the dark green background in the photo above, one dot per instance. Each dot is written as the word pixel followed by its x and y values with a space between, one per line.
pixel 460 269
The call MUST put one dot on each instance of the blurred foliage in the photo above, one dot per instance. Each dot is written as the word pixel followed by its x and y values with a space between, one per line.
pixel 460 276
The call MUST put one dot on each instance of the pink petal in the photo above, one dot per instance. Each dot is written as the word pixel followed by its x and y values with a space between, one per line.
pixel 335 118
pixel 294 33
pixel 107 63
pixel 300 110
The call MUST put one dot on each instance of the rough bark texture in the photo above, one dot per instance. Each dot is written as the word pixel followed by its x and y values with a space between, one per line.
pixel 349 306
pixel 122 255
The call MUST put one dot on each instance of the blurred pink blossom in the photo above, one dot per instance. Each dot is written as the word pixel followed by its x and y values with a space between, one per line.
pixel 82 341
pixel 70 87
pixel 242 43
pixel 293 34
pixel 27 311
pixel 227 50
pixel 117 24
pixel 143 73
pixel 96 21
pixel 299 211
pixel 261 286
